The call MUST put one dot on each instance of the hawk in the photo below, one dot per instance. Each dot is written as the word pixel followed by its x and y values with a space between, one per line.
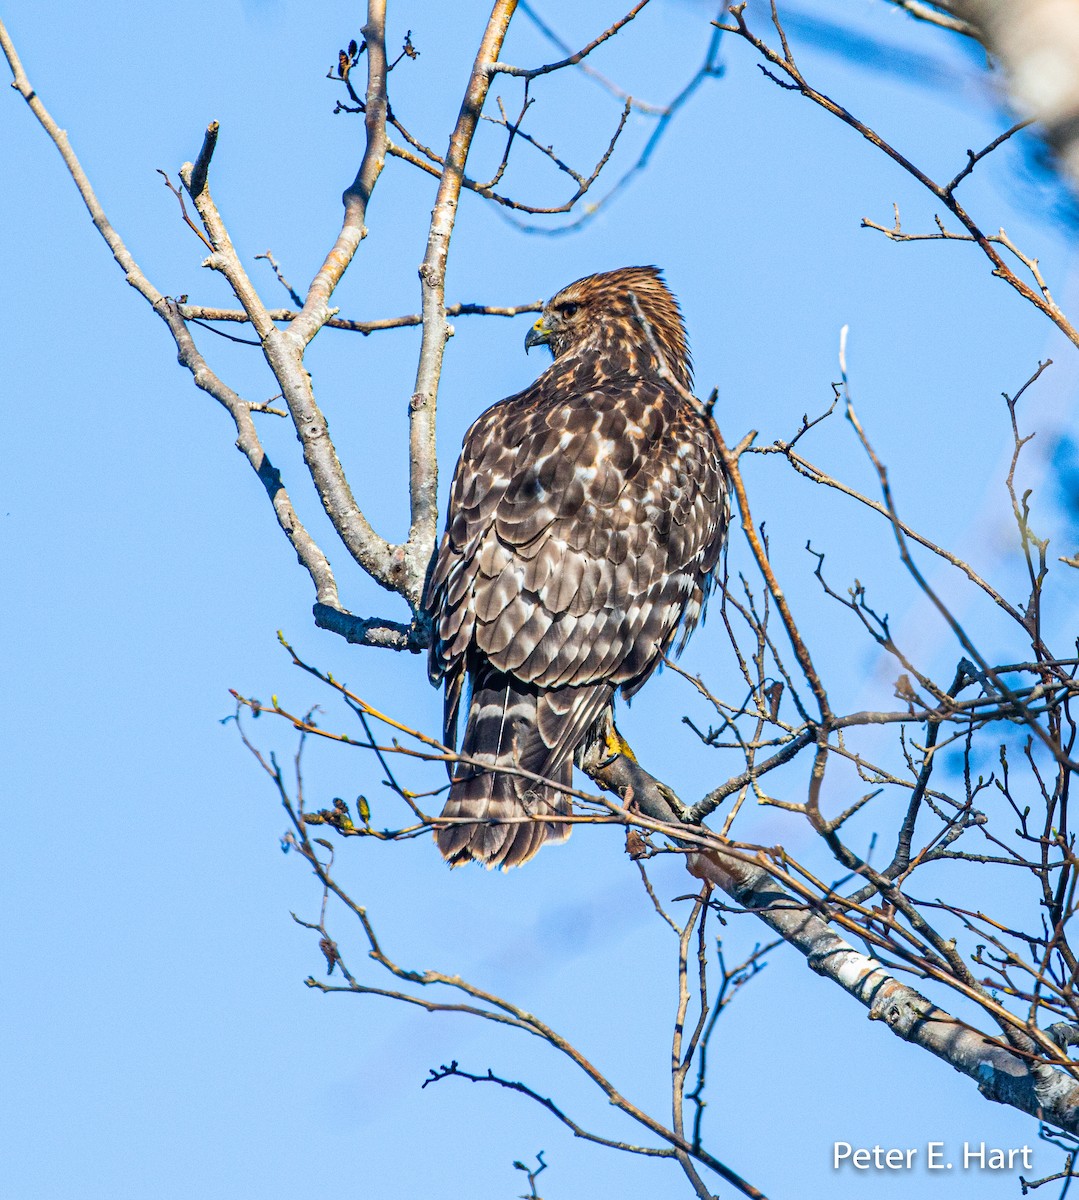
pixel 586 518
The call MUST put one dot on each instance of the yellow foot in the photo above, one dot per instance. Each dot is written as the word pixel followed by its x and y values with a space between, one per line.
pixel 616 744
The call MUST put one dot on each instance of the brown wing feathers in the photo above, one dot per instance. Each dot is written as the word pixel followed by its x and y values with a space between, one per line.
pixel 586 517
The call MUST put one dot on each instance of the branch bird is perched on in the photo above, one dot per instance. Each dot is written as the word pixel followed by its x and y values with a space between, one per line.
pixel 586 518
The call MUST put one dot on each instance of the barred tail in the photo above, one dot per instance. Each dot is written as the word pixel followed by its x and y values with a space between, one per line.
pixel 520 726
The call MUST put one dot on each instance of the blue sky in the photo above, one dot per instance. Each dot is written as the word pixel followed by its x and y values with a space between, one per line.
pixel 159 1037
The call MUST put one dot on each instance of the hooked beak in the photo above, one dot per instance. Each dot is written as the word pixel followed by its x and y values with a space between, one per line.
pixel 538 335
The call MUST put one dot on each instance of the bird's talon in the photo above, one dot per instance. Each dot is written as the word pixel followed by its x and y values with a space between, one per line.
pixel 617 745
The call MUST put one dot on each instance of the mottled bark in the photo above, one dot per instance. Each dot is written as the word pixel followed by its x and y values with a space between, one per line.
pixel 1001 1075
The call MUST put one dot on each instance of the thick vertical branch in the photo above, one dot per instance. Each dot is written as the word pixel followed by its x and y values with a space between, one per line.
pixel 381 559
pixel 224 257
pixel 284 353
pixel 423 465
pixel 284 348
pixel 316 310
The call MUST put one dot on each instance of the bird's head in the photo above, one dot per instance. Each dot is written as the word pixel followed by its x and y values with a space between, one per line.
pixel 598 313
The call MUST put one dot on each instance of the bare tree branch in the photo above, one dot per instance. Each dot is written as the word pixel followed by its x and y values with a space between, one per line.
pixel 423 462
pixel 199 312
pixel 1038 47
pixel 573 59
pixel 783 61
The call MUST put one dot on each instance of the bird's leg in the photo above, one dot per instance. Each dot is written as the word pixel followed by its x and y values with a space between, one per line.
pixel 616 744
pixel 606 758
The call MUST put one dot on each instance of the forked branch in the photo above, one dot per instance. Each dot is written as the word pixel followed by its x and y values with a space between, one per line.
pixel 783 61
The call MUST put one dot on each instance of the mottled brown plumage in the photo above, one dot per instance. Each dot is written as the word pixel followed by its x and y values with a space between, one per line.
pixel 585 521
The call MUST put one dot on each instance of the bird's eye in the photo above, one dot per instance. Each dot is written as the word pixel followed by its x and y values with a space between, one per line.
pixel 567 310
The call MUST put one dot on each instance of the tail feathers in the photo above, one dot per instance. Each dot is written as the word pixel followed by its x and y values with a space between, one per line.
pixel 504 833
pixel 513 726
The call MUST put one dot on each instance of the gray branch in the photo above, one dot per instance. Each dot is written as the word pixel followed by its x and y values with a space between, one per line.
pixel 423 463
pixel 1035 1088
pixel 1032 1087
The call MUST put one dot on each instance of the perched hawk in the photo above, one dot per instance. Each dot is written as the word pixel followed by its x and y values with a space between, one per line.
pixel 586 518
